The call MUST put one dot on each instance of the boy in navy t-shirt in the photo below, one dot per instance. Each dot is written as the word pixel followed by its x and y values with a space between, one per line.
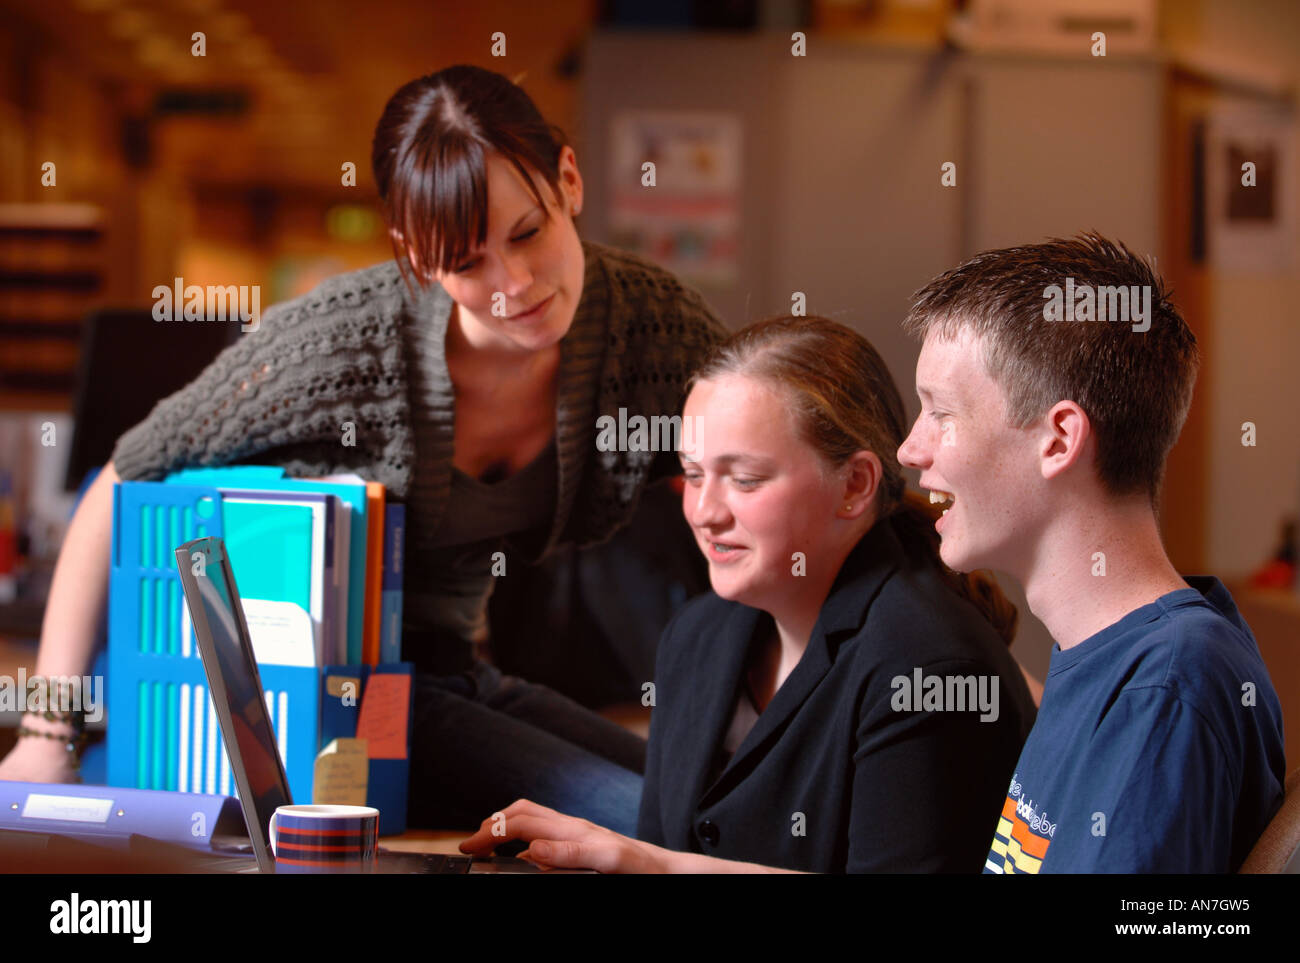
pixel 1054 379
pixel 1165 771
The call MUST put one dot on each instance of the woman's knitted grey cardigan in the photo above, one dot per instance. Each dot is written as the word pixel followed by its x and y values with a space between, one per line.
pixel 341 355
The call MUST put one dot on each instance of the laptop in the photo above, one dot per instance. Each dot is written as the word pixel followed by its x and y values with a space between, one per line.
pixel 238 698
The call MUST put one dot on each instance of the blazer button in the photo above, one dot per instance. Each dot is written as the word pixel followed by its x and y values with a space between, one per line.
pixel 708 832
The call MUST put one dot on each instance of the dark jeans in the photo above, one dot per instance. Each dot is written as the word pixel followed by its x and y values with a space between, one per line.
pixel 481 740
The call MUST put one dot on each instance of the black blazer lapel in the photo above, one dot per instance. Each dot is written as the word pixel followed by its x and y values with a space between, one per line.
pixel 718 668
pixel 865 569
pixel 813 665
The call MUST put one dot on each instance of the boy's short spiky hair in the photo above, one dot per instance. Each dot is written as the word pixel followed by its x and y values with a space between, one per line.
pixel 1135 386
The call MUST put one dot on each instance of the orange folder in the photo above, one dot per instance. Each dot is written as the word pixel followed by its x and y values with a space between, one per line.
pixel 374 572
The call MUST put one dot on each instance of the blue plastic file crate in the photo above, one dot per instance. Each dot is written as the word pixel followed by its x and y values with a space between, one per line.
pixel 162 732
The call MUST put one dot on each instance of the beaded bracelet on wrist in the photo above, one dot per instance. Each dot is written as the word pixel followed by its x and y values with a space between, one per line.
pixel 74 745
pixel 75 718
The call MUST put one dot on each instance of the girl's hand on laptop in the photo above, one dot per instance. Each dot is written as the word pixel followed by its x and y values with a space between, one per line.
pixel 557 841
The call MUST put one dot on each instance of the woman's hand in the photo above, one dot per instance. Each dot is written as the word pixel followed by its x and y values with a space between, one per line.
pixel 559 841
pixel 39 760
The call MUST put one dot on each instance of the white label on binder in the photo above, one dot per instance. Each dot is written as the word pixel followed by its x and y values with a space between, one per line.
pixel 77 809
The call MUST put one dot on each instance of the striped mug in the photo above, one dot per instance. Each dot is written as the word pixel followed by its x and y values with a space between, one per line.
pixel 324 839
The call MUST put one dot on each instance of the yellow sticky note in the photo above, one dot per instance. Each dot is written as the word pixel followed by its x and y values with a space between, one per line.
pixel 384 709
pixel 343 685
pixel 341 774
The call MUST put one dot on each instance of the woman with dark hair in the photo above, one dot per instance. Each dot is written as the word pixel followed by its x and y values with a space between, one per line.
pixel 840 701
pixel 467 375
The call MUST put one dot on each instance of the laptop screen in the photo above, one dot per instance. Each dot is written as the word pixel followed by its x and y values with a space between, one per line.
pixel 236 686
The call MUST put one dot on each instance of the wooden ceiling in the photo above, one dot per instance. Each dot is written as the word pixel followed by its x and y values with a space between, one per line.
pixel 316 73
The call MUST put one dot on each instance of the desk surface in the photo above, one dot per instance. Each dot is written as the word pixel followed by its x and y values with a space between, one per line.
pixel 22 852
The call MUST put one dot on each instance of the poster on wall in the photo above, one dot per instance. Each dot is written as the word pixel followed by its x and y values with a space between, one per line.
pixel 676 195
pixel 1250 195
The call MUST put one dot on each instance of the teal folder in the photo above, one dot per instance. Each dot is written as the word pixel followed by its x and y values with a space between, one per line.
pixel 270 547
pixel 274 478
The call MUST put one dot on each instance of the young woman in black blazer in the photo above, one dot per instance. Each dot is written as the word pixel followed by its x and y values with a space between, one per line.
pixel 839 702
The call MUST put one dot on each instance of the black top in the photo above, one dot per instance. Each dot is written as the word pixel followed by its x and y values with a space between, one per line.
pixel 448 614
pixel 833 777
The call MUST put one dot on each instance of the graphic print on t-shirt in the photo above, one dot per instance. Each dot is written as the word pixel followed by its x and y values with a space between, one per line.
pixel 1023 834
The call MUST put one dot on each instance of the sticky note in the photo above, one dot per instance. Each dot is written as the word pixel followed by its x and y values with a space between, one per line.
pixel 384 708
pixel 341 772
pixel 341 685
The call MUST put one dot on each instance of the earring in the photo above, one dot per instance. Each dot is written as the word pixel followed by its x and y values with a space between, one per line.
pixel 848 508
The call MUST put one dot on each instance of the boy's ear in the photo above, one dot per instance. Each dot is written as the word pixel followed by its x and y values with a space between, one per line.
pixel 1066 431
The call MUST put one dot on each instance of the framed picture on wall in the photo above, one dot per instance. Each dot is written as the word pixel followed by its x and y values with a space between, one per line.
pixel 1249 189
